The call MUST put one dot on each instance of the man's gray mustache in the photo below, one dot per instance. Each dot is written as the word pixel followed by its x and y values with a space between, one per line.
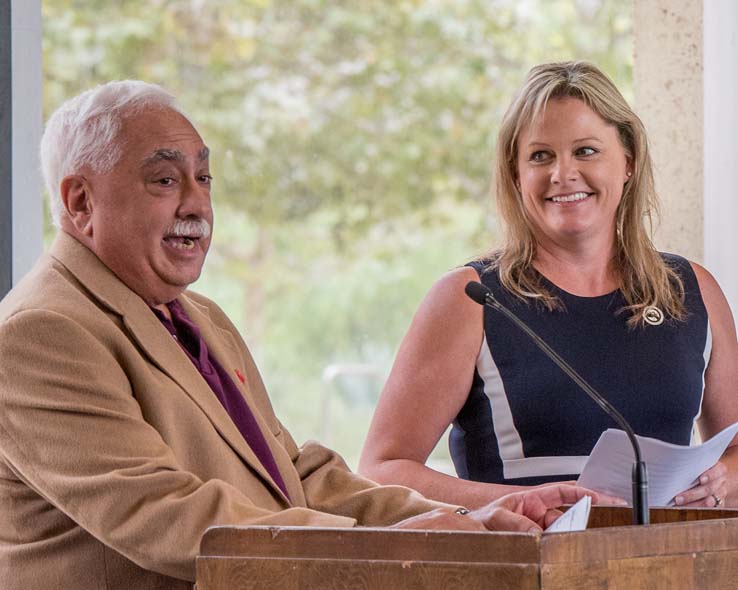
pixel 194 228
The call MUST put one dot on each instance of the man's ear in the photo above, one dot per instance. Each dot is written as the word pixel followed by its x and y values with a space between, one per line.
pixel 75 195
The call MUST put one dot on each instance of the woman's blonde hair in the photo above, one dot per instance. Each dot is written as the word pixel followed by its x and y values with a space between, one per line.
pixel 645 279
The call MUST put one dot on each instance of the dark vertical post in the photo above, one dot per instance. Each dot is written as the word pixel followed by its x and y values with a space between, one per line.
pixel 6 153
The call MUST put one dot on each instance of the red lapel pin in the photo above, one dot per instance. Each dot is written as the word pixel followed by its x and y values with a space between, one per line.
pixel 240 376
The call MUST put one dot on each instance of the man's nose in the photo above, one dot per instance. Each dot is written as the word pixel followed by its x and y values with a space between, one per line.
pixel 195 199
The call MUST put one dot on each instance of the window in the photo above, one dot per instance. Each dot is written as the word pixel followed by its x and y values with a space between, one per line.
pixel 351 148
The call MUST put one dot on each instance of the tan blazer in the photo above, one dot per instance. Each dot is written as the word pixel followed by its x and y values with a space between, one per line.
pixel 115 455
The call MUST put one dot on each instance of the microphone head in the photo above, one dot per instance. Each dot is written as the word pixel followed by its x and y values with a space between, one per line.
pixel 477 291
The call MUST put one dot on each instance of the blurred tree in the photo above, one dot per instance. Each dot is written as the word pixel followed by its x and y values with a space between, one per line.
pixel 351 148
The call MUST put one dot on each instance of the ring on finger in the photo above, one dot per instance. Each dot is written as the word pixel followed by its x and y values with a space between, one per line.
pixel 718 500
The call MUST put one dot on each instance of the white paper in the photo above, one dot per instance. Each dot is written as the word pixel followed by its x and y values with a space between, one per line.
pixel 671 468
pixel 574 519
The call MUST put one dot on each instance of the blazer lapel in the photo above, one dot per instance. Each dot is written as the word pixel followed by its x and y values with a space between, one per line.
pixel 162 350
pixel 222 346
pixel 167 354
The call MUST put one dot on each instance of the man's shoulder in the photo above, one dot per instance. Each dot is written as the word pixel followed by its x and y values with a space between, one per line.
pixel 68 279
pixel 47 286
pixel 51 297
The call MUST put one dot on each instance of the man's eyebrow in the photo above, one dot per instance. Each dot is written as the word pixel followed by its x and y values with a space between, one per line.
pixel 173 156
pixel 164 155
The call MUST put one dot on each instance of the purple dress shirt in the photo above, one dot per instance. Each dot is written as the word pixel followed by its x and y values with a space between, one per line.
pixel 188 335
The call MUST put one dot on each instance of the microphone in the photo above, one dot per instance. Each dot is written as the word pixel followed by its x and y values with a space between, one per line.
pixel 484 296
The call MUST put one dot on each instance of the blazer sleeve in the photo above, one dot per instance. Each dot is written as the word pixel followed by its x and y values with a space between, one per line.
pixel 330 486
pixel 72 431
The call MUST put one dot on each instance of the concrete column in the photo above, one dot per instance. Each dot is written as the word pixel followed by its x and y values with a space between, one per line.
pixel 668 85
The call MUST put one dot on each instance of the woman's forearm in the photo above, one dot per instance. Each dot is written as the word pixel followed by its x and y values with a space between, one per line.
pixel 436 485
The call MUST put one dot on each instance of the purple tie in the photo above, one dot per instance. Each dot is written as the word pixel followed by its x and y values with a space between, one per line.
pixel 189 337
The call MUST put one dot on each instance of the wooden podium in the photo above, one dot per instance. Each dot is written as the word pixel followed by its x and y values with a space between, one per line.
pixel 681 549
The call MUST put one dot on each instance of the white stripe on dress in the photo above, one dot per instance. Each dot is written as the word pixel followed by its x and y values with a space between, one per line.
pixel 695 438
pixel 514 463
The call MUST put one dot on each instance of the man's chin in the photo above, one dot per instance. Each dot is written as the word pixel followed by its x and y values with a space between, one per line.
pixel 171 285
pixel 183 281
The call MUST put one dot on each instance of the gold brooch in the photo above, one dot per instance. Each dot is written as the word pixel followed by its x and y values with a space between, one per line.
pixel 653 315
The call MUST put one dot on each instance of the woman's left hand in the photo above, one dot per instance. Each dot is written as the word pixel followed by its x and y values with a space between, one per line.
pixel 711 490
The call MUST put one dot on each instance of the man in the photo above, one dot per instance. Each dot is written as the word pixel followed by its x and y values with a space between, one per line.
pixel 132 416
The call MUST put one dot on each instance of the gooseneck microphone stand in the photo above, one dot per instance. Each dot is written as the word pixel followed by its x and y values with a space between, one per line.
pixel 484 296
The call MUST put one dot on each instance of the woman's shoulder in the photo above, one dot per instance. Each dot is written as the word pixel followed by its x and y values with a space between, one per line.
pixel 700 287
pixel 456 279
pixel 708 286
pixel 447 297
pixel 486 268
pixel 675 260
pixel 687 270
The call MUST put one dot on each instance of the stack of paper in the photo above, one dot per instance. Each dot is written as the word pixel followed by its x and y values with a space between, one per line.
pixel 671 468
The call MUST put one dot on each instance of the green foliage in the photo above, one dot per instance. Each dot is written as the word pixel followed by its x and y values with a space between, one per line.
pixel 351 148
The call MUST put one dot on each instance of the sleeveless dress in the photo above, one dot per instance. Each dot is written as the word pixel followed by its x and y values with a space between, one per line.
pixel 525 422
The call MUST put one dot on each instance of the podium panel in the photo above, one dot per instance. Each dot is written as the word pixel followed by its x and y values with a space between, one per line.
pixel 683 549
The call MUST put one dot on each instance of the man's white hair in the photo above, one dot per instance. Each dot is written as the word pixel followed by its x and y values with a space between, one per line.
pixel 83 132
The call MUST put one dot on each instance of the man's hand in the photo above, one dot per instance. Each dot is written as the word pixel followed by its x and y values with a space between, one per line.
pixel 528 511
pixel 602 498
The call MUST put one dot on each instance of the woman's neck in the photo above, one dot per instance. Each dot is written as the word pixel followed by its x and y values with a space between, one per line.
pixel 583 272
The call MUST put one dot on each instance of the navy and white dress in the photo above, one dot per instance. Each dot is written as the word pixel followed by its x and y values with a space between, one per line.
pixel 525 422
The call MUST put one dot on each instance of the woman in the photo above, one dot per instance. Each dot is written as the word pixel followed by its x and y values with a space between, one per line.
pixel 652 332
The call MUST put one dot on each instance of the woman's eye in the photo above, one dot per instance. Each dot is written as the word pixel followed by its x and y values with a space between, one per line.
pixel 538 156
pixel 586 151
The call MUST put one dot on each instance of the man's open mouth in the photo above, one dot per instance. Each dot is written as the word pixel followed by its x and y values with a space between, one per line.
pixel 181 242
